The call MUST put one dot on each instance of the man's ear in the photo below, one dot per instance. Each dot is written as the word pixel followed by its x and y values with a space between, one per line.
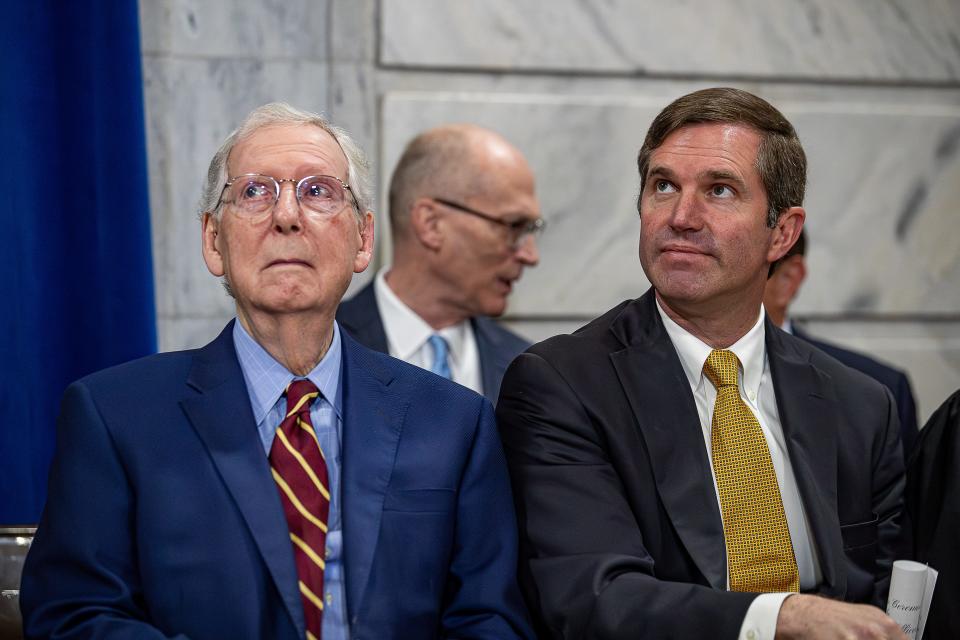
pixel 786 233
pixel 365 251
pixel 211 244
pixel 425 217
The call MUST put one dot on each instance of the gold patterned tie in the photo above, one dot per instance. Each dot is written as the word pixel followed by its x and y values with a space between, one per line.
pixel 759 551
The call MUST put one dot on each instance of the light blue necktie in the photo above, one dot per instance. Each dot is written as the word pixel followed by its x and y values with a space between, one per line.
pixel 441 365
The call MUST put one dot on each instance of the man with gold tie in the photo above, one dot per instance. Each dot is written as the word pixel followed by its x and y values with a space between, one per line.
pixel 283 481
pixel 682 468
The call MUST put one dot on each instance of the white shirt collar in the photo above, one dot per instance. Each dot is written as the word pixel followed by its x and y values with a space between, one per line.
pixel 787 326
pixel 406 331
pixel 693 352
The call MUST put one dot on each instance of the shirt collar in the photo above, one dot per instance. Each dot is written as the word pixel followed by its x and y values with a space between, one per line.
pixel 787 326
pixel 693 352
pixel 267 379
pixel 406 331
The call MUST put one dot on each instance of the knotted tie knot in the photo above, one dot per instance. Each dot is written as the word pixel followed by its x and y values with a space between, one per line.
pixel 300 394
pixel 722 367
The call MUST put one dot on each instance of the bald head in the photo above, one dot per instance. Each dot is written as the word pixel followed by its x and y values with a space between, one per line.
pixel 464 217
pixel 457 161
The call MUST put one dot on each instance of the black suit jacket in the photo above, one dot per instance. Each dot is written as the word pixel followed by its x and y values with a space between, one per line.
pixel 933 500
pixel 497 346
pixel 621 534
pixel 891 378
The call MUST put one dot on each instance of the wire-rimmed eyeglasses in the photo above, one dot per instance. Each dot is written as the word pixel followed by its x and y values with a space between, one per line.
pixel 254 194
pixel 518 230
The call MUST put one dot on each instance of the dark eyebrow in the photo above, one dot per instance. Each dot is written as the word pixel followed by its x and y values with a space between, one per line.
pixel 726 176
pixel 660 170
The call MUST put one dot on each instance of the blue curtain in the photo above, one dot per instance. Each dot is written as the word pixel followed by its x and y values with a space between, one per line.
pixel 76 278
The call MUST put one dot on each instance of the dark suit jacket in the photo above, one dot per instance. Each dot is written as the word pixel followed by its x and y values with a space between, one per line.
pixel 891 378
pixel 497 346
pixel 933 500
pixel 163 520
pixel 621 534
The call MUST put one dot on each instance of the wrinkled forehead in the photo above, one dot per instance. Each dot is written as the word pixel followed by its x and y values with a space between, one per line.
pixel 716 135
pixel 707 144
pixel 296 150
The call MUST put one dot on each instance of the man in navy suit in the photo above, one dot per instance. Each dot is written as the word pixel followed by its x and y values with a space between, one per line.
pixel 463 217
pixel 783 286
pixel 170 511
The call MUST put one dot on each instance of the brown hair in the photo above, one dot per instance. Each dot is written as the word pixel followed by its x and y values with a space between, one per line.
pixel 781 162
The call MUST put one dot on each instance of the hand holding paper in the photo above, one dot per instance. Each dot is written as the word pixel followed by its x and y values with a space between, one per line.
pixel 911 588
pixel 809 617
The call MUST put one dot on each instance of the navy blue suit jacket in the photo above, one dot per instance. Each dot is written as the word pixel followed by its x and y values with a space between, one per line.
pixel 497 346
pixel 891 378
pixel 163 520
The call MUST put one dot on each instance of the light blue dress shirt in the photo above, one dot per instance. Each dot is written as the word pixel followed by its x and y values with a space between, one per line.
pixel 266 381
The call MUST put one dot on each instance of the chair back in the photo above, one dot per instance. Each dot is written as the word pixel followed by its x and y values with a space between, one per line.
pixel 14 543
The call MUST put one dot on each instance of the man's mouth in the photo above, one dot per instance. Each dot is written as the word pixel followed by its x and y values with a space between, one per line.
pixel 288 262
pixel 681 248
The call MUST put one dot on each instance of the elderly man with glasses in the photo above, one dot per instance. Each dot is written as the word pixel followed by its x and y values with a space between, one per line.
pixel 464 221
pixel 283 481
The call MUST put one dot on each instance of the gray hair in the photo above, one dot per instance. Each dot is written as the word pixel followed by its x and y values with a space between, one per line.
pixel 281 113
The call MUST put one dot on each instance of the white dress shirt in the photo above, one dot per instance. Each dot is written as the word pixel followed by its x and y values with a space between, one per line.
pixel 756 390
pixel 408 333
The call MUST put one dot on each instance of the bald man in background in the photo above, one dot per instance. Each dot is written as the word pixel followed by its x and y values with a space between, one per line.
pixel 781 290
pixel 464 220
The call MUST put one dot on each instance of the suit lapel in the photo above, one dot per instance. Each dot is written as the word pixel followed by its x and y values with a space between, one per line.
pixel 652 377
pixel 222 417
pixel 811 422
pixel 372 421
pixel 493 359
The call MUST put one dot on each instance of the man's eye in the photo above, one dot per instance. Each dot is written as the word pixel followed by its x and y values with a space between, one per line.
pixel 721 191
pixel 663 186
pixel 255 191
pixel 318 190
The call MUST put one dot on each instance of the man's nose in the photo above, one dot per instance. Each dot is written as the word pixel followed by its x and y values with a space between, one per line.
pixel 687 212
pixel 527 252
pixel 286 210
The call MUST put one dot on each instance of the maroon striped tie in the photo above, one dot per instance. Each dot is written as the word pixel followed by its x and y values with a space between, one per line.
pixel 301 475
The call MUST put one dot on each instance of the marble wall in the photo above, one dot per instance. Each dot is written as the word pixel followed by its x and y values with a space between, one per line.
pixel 873 89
